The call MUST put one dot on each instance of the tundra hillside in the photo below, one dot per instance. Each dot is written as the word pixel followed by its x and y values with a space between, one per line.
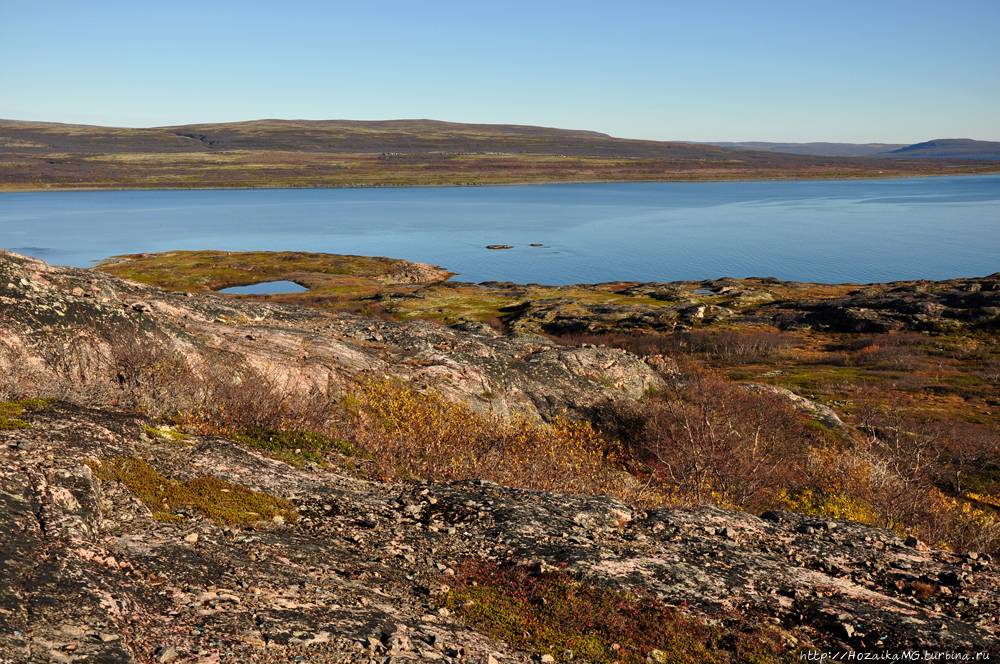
pixel 281 153
pixel 189 477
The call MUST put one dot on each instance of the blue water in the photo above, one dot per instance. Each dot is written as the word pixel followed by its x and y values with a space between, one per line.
pixel 839 231
pixel 267 288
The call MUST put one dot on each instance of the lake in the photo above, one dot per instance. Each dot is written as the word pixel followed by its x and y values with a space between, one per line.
pixel 829 231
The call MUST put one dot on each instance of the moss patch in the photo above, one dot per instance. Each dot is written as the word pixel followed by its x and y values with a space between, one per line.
pixel 166 433
pixel 10 411
pixel 223 502
pixel 295 447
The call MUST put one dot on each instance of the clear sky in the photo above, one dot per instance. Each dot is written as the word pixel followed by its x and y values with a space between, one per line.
pixel 836 70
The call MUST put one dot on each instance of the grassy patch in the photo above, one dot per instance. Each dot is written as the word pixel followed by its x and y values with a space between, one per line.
pixel 295 447
pixel 223 502
pixel 553 613
pixel 166 433
pixel 10 411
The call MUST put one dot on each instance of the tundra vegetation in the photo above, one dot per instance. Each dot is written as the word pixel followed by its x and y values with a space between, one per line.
pixel 897 429
pixel 918 451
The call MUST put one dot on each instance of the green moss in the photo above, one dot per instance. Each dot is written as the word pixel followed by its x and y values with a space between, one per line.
pixel 295 447
pixel 166 433
pixel 11 410
pixel 223 502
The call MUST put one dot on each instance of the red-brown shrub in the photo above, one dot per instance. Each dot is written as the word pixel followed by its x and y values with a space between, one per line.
pixel 711 441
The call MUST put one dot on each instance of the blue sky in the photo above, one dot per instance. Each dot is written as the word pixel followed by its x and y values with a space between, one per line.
pixel 896 72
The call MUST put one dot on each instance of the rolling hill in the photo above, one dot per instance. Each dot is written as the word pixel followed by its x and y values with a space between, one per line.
pixel 345 153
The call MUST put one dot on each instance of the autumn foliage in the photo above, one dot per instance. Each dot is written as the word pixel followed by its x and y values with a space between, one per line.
pixel 422 434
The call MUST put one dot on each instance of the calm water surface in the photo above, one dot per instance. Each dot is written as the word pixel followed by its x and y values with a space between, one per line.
pixel 842 231
pixel 267 287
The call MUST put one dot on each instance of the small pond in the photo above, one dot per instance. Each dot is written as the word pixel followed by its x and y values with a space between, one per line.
pixel 267 288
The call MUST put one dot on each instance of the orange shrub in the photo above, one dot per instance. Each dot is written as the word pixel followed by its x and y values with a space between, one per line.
pixel 422 434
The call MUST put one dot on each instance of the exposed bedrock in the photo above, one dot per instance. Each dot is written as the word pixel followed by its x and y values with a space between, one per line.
pixel 66 321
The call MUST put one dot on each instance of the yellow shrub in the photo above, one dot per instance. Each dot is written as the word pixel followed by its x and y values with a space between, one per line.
pixel 423 434
pixel 836 506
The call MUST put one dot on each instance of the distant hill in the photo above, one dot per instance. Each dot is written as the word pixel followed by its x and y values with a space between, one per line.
pixel 952 148
pixel 338 136
pixel 819 149
pixel 349 153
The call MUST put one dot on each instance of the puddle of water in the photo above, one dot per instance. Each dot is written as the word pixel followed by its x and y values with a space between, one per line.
pixel 702 292
pixel 267 288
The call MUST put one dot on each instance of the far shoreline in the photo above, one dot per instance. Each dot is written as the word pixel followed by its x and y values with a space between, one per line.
pixel 461 185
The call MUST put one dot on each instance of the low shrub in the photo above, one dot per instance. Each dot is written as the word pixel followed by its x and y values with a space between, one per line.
pixel 409 433
pixel 236 396
pixel 895 358
pixel 550 612
pixel 832 505
pixel 725 346
pixel 708 440
pixel 886 340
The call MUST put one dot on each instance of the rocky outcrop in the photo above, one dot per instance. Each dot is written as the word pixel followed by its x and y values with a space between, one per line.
pixel 885 307
pixel 88 572
pixel 917 305
pixel 66 322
